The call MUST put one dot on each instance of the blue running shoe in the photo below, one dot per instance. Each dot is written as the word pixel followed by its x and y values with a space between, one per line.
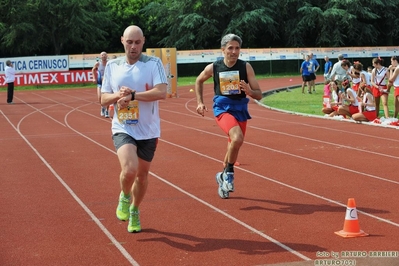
pixel 228 181
pixel 224 194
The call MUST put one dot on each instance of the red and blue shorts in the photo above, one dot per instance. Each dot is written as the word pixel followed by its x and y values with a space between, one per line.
pixel 227 121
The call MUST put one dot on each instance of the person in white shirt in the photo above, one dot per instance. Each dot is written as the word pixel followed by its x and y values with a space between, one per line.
pixel 367 74
pixel 358 75
pixel 334 102
pixel 339 71
pixel 394 81
pixel 379 76
pixel 98 76
pixel 134 84
pixel 350 104
pixel 9 72
pixel 366 106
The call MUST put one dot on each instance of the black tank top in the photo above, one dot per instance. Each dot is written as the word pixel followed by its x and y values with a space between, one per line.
pixel 227 79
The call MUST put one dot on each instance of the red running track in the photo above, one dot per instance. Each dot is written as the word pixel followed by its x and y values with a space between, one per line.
pixel 59 187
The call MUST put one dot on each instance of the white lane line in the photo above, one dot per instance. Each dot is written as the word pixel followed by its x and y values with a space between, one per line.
pixel 77 199
pixel 283 184
pixel 324 142
pixel 40 111
pixel 200 200
pixel 296 156
pixel 218 210
pixel 255 231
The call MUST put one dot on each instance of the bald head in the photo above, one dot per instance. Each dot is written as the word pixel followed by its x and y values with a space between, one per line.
pixel 133 41
pixel 133 30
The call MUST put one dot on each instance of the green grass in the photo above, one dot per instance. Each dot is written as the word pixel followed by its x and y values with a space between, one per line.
pixel 296 101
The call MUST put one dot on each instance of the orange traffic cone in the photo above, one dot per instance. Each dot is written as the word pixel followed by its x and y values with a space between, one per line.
pixel 351 224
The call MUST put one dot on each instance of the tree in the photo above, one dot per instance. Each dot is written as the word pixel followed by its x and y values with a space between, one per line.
pixel 386 26
pixel 125 13
pixel 201 24
pixel 57 26
pixel 75 26
pixel 331 23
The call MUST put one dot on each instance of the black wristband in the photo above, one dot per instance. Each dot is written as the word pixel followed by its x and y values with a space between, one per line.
pixel 133 95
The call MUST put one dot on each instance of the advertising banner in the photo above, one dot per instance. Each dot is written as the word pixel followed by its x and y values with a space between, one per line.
pixel 50 78
pixel 35 64
pixel 266 54
pixel 88 60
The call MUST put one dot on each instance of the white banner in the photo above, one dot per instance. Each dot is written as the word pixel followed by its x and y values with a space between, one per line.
pixel 35 64
pixel 266 54
pixel 51 78
pixel 88 60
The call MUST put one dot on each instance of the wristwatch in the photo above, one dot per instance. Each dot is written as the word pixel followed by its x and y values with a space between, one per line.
pixel 133 95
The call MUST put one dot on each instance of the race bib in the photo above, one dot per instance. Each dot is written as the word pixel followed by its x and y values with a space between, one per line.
pixel 229 82
pixel 130 114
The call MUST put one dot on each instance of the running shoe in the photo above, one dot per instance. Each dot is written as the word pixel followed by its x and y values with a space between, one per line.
pixel 224 194
pixel 134 222
pixel 102 113
pixel 106 115
pixel 228 181
pixel 122 211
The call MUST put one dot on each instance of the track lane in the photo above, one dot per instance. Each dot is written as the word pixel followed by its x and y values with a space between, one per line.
pixel 271 208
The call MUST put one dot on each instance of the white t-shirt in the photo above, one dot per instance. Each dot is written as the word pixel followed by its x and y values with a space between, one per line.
pixel 379 76
pixel 366 98
pixel 357 79
pixel 353 94
pixel 9 74
pixel 335 97
pixel 143 75
pixel 396 81
pixel 367 75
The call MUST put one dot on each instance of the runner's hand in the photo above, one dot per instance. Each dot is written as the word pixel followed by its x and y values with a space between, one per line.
pixel 124 91
pixel 123 102
pixel 245 87
pixel 201 108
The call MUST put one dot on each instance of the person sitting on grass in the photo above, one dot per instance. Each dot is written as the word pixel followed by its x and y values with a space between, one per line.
pixel 366 105
pixel 350 103
pixel 332 108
